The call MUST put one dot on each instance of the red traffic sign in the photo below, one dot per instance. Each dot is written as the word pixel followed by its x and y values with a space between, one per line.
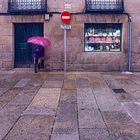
pixel 66 17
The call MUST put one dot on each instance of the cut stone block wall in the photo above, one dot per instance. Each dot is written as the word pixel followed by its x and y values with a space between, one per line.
pixel 77 59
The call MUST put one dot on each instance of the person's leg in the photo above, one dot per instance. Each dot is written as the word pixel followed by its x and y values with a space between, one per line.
pixel 35 64
pixel 42 62
pixel 39 63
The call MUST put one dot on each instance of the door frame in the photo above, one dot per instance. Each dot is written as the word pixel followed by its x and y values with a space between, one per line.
pixel 14 38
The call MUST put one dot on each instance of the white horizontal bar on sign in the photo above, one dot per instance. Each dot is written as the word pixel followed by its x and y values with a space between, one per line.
pixel 68 6
pixel 65 17
pixel 67 27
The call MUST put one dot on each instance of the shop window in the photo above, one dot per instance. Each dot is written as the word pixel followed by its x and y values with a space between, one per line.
pixel 103 37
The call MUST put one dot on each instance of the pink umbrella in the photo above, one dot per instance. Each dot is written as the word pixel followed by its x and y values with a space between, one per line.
pixel 38 40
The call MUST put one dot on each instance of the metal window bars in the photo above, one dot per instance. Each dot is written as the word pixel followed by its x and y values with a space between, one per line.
pixel 27 6
pixel 105 5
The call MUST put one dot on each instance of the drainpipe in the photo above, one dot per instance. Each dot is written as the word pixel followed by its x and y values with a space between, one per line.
pixel 129 42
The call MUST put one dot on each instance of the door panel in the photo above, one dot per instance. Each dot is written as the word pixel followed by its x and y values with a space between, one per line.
pixel 23 50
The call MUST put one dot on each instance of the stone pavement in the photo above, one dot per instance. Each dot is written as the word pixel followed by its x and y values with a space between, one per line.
pixel 75 106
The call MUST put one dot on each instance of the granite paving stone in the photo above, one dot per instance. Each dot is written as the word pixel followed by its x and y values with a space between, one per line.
pixel 111 82
pixel 133 109
pixel 129 86
pixel 69 96
pixel 94 134
pixel 66 119
pixel 8 117
pixel 136 80
pixel 64 137
pixel 81 75
pixel 31 128
pixel 108 103
pixel 12 109
pixel 119 122
pixel 69 84
pixel 22 99
pixel 70 106
pixel 46 97
pixel 82 83
pixel 85 98
pixel 52 84
pixel 44 103
pixel 88 112
pixel 90 118
pixel 71 75
pixel 22 83
pixel 6 123
pixel 55 77
pixel 99 86
pixel 3 90
pixel 8 96
pixel 126 136
pixel 39 111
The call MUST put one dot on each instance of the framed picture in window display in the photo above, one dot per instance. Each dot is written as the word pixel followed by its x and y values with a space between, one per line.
pixel 103 37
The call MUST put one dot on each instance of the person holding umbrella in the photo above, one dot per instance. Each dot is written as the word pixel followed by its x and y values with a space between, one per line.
pixel 40 43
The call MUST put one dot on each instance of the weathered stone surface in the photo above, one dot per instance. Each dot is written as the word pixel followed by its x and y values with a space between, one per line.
pixel 52 84
pixel 86 113
pixel 133 109
pixel 22 83
pixel 120 123
pixel 85 98
pixel 108 103
pixel 31 127
pixel 7 122
pixel 55 77
pixel 46 97
pixel 2 91
pixel 66 120
pixel 111 82
pixel 90 118
pixel 69 96
pixel 82 83
pixel 7 97
pixel 64 137
pixel 8 116
pixel 5 29
pixel 39 111
pixel 12 110
pixel 23 99
pixel 69 84
pixel 94 134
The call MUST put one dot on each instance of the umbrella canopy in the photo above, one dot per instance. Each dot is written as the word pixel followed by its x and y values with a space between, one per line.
pixel 38 40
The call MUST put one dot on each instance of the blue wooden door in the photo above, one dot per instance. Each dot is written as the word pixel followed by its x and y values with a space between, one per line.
pixel 23 50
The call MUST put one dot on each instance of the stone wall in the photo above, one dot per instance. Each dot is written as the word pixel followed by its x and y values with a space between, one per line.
pixel 77 59
pixel 6 43
pixel 133 7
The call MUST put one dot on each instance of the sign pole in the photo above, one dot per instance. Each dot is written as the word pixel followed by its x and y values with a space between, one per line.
pixel 65 51
pixel 66 19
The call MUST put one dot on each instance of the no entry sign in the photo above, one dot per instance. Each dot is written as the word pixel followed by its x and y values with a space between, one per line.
pixel 66 17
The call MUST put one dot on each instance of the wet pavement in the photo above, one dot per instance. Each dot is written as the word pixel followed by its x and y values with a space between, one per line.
pixel 71 106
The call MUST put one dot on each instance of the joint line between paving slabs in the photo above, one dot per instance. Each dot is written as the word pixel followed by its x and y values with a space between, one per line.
pixel 56 113
pixel 20 115
pixel 101 113
pixel 77 115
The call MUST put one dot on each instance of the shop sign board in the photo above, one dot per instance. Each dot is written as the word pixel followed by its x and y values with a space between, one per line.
pixel 66 17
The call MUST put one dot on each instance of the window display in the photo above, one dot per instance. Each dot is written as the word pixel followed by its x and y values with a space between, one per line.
pixel 103 37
